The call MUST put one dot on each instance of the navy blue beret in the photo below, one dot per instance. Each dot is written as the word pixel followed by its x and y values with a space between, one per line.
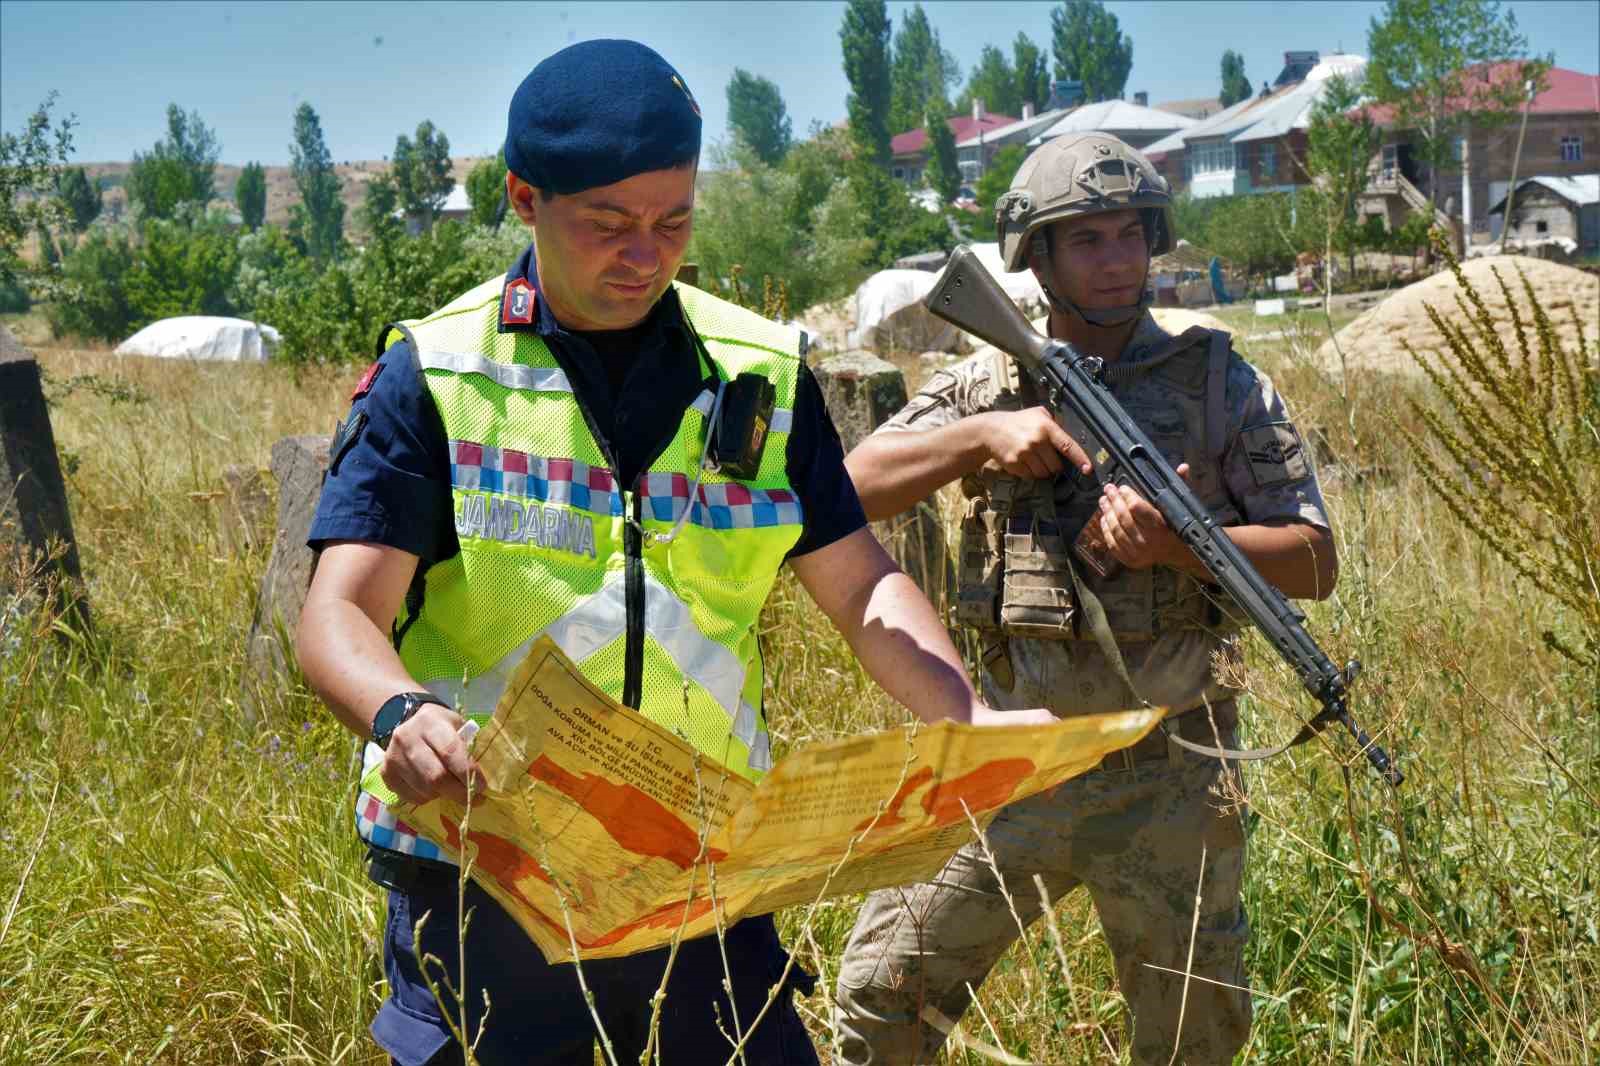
pixel 599 112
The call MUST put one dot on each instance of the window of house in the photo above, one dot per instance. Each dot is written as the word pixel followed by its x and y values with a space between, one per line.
pixel 1391 156
pixel 1572 149
pixel 1541 227
pixel 1269 160
pixel 900 172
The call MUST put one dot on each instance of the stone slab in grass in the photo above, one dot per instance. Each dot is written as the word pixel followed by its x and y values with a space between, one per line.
pixel 38 553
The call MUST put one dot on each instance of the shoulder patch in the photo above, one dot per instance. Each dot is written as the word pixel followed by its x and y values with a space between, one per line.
pixel 1276 453
pixel 517 303
pixel 364 385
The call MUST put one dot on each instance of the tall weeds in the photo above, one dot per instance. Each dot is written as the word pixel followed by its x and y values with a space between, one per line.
pixel 179 882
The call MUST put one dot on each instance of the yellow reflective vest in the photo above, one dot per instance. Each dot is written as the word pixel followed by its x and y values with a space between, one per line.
pixel 552 545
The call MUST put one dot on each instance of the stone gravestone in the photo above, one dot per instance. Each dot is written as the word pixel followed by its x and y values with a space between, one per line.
pixel 863 392
pixel 37 548
pixel 244 514
pixel 298 464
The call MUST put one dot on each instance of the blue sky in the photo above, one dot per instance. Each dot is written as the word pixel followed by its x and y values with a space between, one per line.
pixel 374 70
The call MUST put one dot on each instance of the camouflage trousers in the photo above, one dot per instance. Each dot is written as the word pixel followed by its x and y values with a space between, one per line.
pixel 1133 838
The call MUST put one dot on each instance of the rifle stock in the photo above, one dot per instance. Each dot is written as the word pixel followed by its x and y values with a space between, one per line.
pixel 966 295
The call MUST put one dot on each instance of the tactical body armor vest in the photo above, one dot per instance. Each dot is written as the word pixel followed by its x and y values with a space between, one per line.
pixel 1018 534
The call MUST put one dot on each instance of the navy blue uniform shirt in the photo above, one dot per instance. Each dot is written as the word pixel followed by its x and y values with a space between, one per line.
pixel 391 484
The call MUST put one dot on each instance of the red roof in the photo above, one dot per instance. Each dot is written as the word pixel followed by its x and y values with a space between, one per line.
pixel 1565 90
pixel 913 141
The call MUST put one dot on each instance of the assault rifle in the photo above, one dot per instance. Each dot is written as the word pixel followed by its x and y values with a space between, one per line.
pixel 967 296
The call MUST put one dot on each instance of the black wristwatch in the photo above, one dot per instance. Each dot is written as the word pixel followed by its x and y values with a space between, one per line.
pixel 395 710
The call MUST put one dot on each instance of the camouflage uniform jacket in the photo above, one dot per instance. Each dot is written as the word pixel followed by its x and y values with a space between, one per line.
pixel 1249 468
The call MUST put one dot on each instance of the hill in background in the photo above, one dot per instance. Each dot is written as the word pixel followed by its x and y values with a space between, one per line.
pixel 281 193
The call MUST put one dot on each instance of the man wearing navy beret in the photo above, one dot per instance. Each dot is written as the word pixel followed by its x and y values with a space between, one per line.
pixel 541 457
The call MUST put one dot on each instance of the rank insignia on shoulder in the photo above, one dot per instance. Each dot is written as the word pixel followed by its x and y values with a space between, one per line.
pixel 517 303
pixel 364 385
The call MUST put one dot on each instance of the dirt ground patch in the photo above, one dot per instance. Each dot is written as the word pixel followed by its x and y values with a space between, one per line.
pixel 1377 339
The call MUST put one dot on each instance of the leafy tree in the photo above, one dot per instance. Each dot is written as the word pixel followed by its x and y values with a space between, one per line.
pixel 421 171
pixel 943 174
pixel 994 81
pixel 757 116
pixel 1429 61
pixel 922 73
pixel 379 205
pixel 180 270
pixel 1032 72
pixel 486 189
pixel 28 162
pixel 794 223
pixel 251 196
pixel 1235 84
pixel 864 38
pixel 319 217
pixel 80 198
pixel 94 275
pixel 179 169
pixel 997 177
pixel 1089 46
pixel 1341 140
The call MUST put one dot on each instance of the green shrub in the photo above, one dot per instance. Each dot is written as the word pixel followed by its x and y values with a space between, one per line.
pixel 335 315
pixel 179 270
pixel 94 302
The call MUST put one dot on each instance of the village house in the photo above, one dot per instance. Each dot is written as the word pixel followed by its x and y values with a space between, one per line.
pixel 1554 209
pixel 1256 145
pixel 909 151
pixel 1561 140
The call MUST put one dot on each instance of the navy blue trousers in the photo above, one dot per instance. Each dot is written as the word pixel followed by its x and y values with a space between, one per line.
pixel 537 1014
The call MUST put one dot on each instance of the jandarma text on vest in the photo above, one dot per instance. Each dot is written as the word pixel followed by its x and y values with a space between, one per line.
pixel 514 522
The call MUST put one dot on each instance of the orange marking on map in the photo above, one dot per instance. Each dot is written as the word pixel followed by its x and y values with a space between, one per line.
pixel 891 811
pixel 664 917
pixel 502 860
pixel 634 820
pixel 987 787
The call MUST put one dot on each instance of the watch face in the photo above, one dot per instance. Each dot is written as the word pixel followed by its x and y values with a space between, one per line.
pixel 388 719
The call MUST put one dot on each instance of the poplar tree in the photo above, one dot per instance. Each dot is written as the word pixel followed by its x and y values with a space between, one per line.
pixel 1235 84
pixel 864 38
pixel 757 116
pixel 1090 47
pixel 251 196
pixel 319 216
pixel 922 73
pixel 943 174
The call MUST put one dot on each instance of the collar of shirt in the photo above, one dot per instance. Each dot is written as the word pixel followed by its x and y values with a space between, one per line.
pixel 523 311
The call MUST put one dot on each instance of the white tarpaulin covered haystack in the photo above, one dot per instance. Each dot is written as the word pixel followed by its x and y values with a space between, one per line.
pixel 889 312
pixel 207 337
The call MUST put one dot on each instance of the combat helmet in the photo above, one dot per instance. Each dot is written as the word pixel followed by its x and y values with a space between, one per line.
pixel 1082 174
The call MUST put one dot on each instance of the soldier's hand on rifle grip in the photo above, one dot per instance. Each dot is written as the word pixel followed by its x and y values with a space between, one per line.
pixel 1030 444
pixel 1134 531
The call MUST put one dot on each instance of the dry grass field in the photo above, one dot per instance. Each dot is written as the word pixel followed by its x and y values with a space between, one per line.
pixel 179 882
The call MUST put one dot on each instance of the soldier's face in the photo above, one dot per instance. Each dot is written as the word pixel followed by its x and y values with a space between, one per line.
pixel 1098 261
pixel 607 254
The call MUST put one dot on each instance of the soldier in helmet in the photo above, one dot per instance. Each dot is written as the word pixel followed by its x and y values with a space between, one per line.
pixel 1086 213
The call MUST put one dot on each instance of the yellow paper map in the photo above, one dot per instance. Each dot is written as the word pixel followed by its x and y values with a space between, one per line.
pixel 591 803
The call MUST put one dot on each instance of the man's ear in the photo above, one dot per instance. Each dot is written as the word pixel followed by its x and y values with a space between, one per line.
pixel 523 198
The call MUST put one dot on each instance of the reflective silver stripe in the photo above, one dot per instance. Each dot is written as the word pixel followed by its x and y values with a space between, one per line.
pixel 601 619
pixel 510 375
pixel 782 417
